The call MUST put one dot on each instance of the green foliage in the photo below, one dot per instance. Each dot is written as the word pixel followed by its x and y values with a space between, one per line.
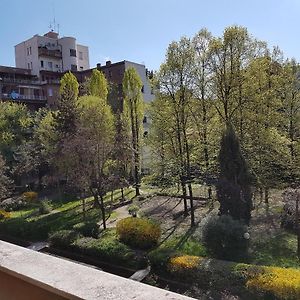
pixel 132 115
pixel 139 233
pixel 45 207
pixel 108 249
pixel 224 238
pixel 87 229
pixel 5 182
pixel 15 127
pixel 133 209
pixel 233 190
pixel 98 85
pixel 66 117
pixel 63 238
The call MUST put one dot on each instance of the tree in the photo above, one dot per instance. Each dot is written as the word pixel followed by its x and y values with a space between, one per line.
pixel 15 128
pixel 5 182
pixel 265 144
pixel 133 113
pixel 175 84
pixel 98 85
pixel 67 114
pixel 234 190
pixel 87 156
pixel 203 111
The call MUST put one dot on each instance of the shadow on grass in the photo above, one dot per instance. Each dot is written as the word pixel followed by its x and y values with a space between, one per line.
pixel 39 228
pixel 279 250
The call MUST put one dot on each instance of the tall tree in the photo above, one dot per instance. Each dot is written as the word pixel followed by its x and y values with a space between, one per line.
pixel 133 112
pixel 87 157
pixel 234 187
pixel 67 115
pixel 175 83
pixel 98 85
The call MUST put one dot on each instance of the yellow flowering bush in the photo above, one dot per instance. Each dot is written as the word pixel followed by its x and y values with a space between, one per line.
pixel 138 232
pixel 282 283
pixel 4 214
pixel 184 263
pixel 30 196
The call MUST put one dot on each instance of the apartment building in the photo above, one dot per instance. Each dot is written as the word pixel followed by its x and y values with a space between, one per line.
pixel 20 85
pixel 51 53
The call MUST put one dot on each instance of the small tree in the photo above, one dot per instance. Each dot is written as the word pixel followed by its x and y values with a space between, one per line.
pixel 234 190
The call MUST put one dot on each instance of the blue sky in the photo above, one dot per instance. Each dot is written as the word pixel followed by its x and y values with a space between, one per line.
pixel 140 31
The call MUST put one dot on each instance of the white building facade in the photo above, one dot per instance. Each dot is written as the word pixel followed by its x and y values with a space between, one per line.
pixel 51 53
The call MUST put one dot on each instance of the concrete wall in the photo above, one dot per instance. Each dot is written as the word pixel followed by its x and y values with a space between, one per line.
pixel 50 63
pixel 148 96
pixel 26 274
pixel 83 62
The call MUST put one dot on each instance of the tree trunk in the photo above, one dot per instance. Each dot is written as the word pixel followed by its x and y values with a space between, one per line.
pixel 192 205
pixel 266 195
pixel 103 211
pixel 83 209
pixel 122 193
pixel 112 196
pixel 298 225
pixel 183 186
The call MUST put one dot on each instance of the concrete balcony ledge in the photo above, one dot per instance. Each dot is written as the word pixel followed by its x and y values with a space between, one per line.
pixel 29 275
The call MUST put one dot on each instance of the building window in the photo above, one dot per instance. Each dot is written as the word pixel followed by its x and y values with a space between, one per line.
pixel 28 66
pixel 73 68
pixel 109 74
pixel 80 55
pixel 42 64
pixel 73 52
pixel 50 65
pixel 81 68
pixel 57 66
pixel 31 65
pixel 50 92
pixel 30 50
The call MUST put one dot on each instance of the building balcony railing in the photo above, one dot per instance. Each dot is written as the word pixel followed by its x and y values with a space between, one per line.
pixel 51 53
pixel 18 81
pixel 27 275
pixel 18 97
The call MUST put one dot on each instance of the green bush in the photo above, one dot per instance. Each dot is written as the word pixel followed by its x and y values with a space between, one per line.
pixel 63 238
pixel 108 249
pixel 45 207
pixel 224 238
pixel 87 229
pixel 139 233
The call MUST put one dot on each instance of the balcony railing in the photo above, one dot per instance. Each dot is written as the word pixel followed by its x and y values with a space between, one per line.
pixel 51 53
pixel 18 81
pixel 27 275
pixel 22 97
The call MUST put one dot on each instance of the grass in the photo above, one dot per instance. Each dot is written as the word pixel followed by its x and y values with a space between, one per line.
pixel 279 250
pixel 28 224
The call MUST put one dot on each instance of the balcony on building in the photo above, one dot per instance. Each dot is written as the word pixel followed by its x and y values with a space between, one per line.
pixel 54 53
pixel 29 275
